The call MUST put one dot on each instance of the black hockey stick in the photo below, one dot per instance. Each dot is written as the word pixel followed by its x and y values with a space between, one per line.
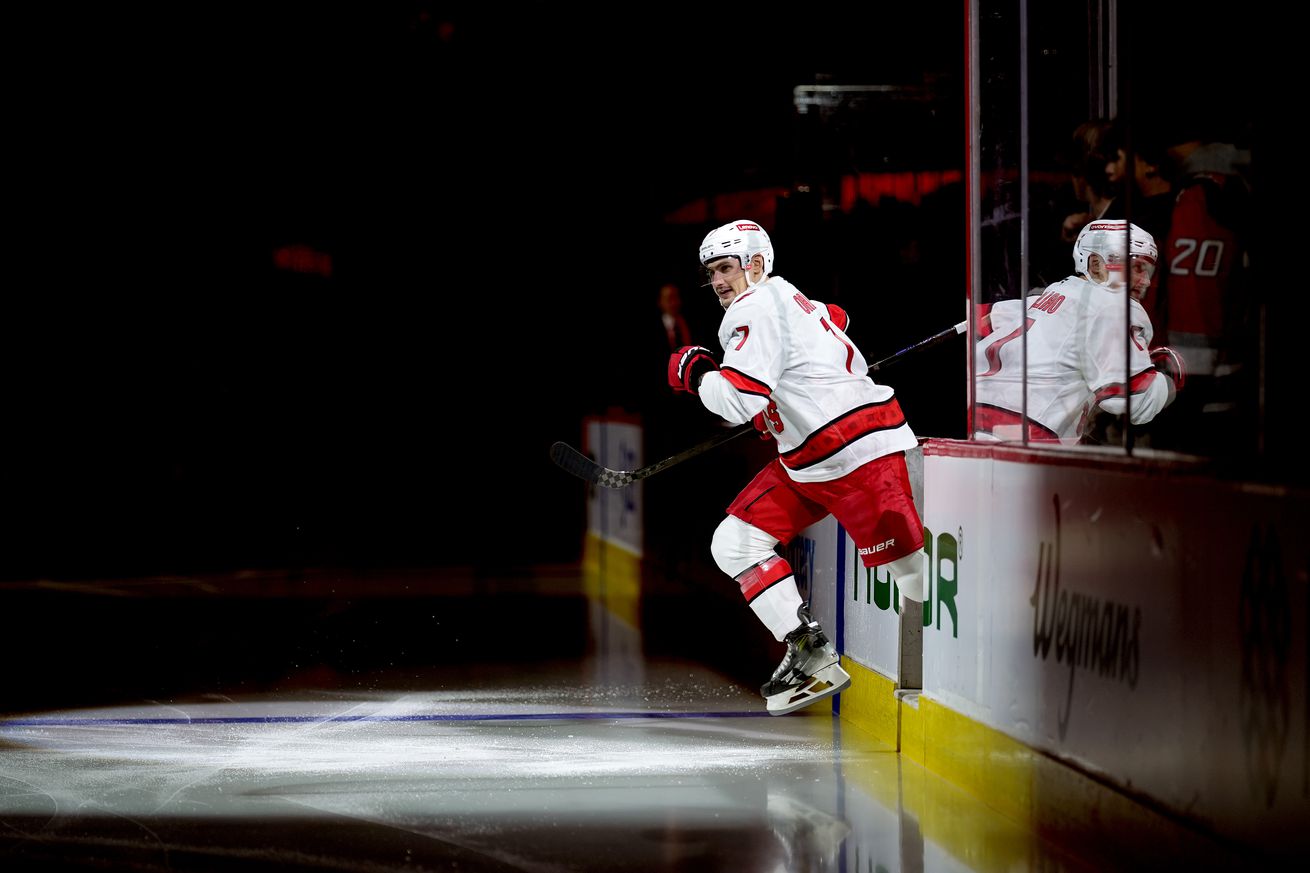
pixel 921 344
pixel 573 461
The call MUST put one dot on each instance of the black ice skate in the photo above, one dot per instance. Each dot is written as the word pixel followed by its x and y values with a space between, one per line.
pixel 810 671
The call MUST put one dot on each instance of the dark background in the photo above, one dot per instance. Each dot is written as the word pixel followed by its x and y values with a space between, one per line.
pixel 495 189
pixel 216 473
pixel 491 188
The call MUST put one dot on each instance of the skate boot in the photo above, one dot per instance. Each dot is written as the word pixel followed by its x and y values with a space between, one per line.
pixel 809 672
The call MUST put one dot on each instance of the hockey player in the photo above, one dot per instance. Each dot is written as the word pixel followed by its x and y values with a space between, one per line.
pixel 789 367
pixel 1075 346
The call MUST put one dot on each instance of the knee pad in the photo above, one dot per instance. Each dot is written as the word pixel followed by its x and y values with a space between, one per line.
pixel 908 571
pixel 738 546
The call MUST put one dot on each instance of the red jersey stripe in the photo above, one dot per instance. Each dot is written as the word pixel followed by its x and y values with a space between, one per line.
pixel 745 384
pixel 832 437
pixel 988 418
pixel 1139 384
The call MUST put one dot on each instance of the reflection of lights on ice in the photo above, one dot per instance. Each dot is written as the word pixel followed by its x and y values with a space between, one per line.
pixel 616 789
pixel 508 749
pixel 538 769
pixel 237 759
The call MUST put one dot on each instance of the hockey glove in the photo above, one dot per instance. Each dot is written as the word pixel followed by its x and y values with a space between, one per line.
pixel 838 316
pixel 765 417
pixel 1169 362
pixel 687 365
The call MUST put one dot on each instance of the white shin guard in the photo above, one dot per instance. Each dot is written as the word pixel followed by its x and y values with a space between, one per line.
pixel 777 607
pixel 740 548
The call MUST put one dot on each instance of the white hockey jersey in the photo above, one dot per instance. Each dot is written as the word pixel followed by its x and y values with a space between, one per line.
pixel 1076 340
pixel 780 346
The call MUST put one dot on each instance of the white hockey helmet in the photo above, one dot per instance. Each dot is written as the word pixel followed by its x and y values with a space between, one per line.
pixel 744 239
pixel 1106 238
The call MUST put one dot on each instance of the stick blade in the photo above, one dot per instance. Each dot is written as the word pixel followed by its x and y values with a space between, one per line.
pixel 570 460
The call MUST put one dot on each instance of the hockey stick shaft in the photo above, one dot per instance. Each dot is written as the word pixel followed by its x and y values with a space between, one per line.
pixel 921 344
pixel 580 465
pixel 712 442
pixel 572 461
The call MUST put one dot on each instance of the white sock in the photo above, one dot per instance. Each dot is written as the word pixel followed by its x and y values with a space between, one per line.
pixel 908 571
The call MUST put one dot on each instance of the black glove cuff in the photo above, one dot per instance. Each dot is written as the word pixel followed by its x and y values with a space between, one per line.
pixel 696 368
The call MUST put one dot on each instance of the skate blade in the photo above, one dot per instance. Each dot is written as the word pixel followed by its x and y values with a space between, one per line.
pixel 824 683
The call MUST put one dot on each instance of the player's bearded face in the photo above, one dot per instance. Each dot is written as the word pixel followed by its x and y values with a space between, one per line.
pixel 726 279
pixel 1143 268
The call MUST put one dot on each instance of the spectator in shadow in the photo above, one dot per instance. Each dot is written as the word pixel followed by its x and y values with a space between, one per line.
pixel 1087 196
pixel 1205 306
pixel 1092 186
pixel 670 426
pixel 676 330
pixel 1152 203
pixel 1153 195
